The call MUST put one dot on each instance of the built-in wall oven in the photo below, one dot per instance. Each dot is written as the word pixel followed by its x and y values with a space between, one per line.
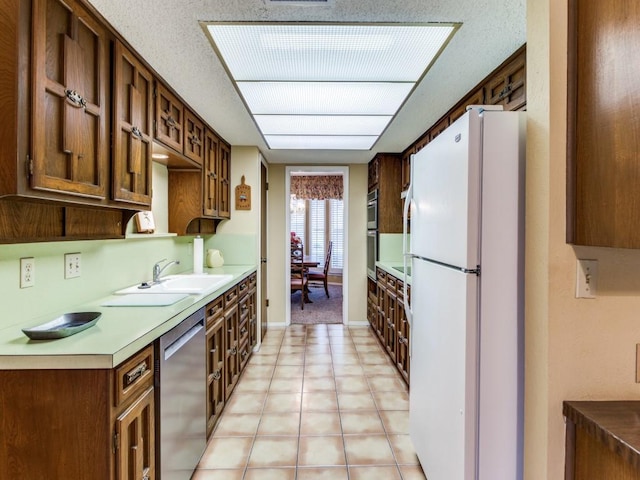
pixel 372 253
pixel 372 210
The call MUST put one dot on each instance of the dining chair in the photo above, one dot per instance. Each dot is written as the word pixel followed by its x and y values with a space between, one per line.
pixel 322 276
pixel 299 280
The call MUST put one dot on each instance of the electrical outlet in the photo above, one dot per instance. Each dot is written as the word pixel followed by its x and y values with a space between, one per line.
pixel 586 278
pixel 72 265
pixel 27 272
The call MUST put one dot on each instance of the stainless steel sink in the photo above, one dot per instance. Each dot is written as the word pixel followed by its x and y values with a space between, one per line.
pixel 201 284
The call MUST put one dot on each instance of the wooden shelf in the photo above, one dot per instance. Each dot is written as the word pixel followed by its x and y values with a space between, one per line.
pixel 149 235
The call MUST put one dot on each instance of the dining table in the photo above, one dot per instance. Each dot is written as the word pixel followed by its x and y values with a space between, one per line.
pixel 307 262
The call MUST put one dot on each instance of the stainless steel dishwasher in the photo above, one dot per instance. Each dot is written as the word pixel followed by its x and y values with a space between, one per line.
pixel 181 398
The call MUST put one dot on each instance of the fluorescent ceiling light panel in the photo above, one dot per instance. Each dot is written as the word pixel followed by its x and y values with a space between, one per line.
pixel 305 52
pixel 322 124
pixel 320 142
pixel 357 76
pixel 324 98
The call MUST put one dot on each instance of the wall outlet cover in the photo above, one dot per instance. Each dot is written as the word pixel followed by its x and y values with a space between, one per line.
pixel 27 272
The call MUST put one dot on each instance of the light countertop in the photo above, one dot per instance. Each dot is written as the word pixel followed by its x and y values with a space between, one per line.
pixel 389 267
pixel 119 333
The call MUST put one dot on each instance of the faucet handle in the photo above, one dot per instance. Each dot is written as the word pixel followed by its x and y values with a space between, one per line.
pixel 160 261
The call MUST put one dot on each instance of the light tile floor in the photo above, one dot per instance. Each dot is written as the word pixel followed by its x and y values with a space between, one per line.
pixel 316 402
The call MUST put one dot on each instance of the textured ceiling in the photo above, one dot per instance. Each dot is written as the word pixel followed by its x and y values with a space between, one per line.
pixel 167 34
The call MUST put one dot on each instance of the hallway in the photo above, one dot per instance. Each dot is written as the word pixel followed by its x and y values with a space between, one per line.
pixel 316 402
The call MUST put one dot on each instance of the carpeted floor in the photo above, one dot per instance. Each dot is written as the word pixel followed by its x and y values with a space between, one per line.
pixel 322 310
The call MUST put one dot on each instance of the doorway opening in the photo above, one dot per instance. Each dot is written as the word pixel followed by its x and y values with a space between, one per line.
pixel 317 228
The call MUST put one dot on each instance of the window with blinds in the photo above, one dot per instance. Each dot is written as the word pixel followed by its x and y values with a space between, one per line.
pixel 317 229
pixel 319 223
pixel 298 224
pixel 336 234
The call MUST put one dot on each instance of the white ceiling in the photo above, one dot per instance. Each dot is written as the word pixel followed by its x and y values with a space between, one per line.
pixel 167 34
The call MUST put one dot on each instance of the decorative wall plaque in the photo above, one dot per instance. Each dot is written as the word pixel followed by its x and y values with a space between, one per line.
pixel 243 196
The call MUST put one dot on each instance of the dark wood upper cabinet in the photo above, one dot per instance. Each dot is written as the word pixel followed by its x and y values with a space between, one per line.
pixel 386 169
pixel 474 98
pixel 211 176
pixel 132 128
pixel 200 197
pixel 169 118
pixel 194 145
pixel 506 86
pixel 224 199
pixel 603 198
pixel 70 67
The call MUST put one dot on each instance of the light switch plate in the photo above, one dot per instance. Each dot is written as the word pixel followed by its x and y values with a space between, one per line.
pixel 586 279
pixel 72 265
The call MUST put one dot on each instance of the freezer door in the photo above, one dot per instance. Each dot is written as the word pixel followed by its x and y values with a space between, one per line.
pixel 443 394
pixel 445 180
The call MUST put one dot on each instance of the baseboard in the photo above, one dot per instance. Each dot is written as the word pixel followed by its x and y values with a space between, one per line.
pixel 358 324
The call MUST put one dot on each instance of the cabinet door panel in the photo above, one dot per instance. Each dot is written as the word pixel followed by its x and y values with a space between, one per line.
pixel 193 137
pixel 211 175
pixel 215 373
pixel 70 69
pixel 224 205
pixel 169 119
pixel 132 128
pixel 232 353
pixel 390 325
pixel 135 429
pixel 507 87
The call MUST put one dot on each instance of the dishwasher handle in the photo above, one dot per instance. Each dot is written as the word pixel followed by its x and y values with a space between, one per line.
pixel 182 340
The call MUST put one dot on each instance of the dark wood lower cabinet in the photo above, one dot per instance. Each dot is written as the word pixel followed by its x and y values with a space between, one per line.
pixel 602 440
pixel 135 443
pixel 100 423
pixel 64 424
pixel 215 372
pixel 386 314
pixel 231 335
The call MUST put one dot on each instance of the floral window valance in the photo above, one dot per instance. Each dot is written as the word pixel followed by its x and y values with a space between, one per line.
pixel 317 187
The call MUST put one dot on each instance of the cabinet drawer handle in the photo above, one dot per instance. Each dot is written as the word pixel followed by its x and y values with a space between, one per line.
pixel 213 350
pixel 136 373
pixel 505 91
pixel 243 331
pixel 230 330
pixel 75 98
pixel 233 351
pixel 244 308
pixel 135 131
pixel 217 375
pixel 195 140
pixel 170 121
pixel 244 354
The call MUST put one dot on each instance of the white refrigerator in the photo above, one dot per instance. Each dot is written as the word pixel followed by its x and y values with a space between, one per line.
pixel 466 252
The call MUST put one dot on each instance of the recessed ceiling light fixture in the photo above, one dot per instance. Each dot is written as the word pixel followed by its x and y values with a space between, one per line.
pixel 326 86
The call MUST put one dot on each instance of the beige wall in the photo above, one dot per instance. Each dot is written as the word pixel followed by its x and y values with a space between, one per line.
pixel 277 236
pixel 357 244
pixel 575 348
pixel 356 251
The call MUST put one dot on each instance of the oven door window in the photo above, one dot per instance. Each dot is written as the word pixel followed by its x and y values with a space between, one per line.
pixel 372 253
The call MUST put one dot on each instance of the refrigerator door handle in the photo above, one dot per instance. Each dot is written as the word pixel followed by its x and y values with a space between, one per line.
pixel 405 251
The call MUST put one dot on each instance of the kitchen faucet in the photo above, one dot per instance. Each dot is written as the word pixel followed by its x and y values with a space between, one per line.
pixel 157 270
